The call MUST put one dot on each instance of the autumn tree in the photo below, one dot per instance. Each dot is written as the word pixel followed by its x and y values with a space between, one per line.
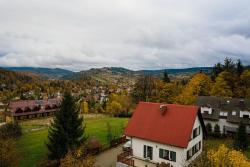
pixel 199 85
pixel 77 158
pixel 84 107
pixel 67 131
pixel 243 85
pixel 222 86
pixel 144 89
pixel 119 103
pixel 114 107
pixel 241 138
pixel 217 69
pixel 229 65
pixel 166 78
pixel 224 157
pixel 169 92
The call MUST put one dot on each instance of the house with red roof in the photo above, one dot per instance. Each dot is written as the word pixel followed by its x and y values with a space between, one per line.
pixel 29 109
pixel 167 133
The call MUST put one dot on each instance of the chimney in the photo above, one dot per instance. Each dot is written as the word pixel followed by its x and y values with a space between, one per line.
pixel 163 109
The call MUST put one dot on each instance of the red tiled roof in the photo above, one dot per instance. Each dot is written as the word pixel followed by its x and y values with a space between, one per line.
pixel 22 104
pixel 173 128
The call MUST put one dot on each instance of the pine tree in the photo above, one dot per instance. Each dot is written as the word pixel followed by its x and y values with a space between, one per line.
pixel 166 79
pixel 239 68
pixel 67 130
pixel 241 139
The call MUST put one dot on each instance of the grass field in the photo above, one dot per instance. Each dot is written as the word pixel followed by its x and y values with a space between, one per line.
pixel 32 143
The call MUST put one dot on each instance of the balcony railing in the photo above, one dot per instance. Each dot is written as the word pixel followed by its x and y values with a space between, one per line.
pixel 126 158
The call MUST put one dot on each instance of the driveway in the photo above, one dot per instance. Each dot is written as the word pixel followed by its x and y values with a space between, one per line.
pixel 108 158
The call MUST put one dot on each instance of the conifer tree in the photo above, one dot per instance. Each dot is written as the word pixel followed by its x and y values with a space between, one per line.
pixel 217 132
pixel 241 139
pixel 166 79
pixel 67 130
pixel 239 68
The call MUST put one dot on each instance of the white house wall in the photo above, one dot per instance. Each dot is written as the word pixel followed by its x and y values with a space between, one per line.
pixel 137 146
pixel 195 141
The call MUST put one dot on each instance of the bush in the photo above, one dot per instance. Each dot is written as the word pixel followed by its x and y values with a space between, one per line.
pixel 217 133
pixel 123 114
pixel 10 130
pixel 241 138
pixel 209 129
pixel 9 156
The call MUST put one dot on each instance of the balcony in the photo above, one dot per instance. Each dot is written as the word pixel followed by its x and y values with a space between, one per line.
pixel 126 158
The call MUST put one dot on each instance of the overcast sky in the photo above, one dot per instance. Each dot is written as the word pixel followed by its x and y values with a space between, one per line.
pixel 136 34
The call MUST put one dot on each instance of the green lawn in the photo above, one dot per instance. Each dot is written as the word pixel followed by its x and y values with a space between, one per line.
pixel 32 144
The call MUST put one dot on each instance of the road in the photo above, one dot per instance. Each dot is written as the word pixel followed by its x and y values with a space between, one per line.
pixel 108 158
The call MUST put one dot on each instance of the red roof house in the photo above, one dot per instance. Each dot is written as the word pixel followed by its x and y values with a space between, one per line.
pixel 166 129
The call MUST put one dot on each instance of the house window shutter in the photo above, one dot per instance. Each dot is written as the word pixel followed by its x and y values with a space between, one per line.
pixel 161 153
pixel 173 156
pixel 145 151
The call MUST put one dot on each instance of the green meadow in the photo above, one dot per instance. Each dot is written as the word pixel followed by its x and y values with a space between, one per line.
pixel 32 144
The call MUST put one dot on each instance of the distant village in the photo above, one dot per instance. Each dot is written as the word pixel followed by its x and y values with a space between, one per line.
pixel 170 123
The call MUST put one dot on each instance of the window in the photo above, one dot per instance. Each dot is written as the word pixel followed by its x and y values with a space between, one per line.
pixel 245 116
pixel 234 113
pixel 148 152
pixel 167 154
pixel 192 151
pixel 196 132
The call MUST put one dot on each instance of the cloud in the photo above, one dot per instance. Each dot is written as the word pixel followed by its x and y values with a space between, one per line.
pixel 142 34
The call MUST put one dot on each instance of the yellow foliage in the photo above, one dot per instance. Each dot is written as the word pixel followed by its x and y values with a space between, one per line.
pixel 76 159
pixel 224 157
pixel 84 107
pixel 199 85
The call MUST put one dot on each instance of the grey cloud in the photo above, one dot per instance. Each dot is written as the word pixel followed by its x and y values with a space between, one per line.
pixel 142 34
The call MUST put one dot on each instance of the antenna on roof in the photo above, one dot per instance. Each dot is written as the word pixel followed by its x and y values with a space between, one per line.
pixel 163 109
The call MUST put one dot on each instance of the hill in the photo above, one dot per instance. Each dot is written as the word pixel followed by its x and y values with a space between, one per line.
pixel 45 72
pixel 110 74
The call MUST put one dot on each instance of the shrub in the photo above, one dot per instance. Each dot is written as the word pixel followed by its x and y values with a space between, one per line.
pixel 10 130
pixel 209 129
pixel 8 154
pixel 226 157
pixel 217 132
pixel 241 139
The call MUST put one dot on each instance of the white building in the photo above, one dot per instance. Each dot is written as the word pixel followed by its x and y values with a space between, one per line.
pixel 168 133
pixel 225 112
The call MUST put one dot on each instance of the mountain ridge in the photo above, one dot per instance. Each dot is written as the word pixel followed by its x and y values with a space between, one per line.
pixel 67 74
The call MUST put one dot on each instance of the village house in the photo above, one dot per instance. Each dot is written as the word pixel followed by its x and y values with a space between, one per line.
pixel 226 112
pixel 27 109
pixel 167 133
